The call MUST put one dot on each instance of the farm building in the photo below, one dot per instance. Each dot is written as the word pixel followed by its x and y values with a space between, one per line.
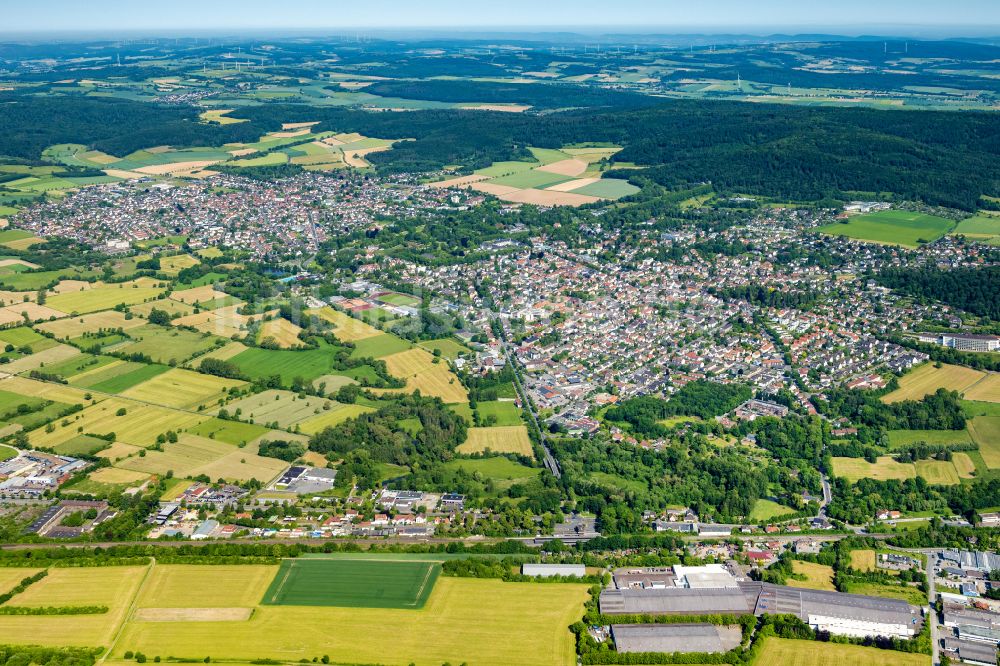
pixel 705 638
pixel 549 570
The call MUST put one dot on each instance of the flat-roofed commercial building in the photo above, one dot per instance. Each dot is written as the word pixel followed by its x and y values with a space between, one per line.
pixel 675 601
pixel 549 570
pixel 695 637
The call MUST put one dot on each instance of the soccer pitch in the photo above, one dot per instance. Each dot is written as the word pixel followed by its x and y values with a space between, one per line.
pixel 352 583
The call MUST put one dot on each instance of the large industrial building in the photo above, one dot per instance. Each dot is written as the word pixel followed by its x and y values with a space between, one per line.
pixel 696 637
pixel 835 612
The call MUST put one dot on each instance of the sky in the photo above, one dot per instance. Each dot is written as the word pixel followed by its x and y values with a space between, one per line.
pixel 751 16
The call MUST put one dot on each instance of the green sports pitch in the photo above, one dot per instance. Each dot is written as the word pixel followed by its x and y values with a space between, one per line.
pixel 352 583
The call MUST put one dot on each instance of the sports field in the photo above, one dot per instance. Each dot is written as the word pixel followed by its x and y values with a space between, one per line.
pixel 893 227
pixel 418 368
pixel 522 623
pixel 352 583
pixel 818 576
pixel 501 439
pixel 788 652
pixel 927 379
pixel 855 469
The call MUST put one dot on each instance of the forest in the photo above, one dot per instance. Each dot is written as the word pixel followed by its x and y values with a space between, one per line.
pixel 975 290
pixel 942 158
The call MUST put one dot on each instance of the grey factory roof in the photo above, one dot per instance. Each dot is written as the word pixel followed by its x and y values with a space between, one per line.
pixel 674 601
pixel 675 637
pixel 781 599
pixel 758 598
pixel 967 650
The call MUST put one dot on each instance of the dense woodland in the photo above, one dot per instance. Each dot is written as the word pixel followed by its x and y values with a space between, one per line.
pixel 781 151
pixel 975 290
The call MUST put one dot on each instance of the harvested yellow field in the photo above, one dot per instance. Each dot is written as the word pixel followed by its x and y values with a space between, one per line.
pixel 570 167
pixel 460 181
pixel 174 167
pixel 203 294
pixel 927 379
pixel 356 158
pixel 224 353
pixel 854 469
pixel 219 116
pixel 45 357
pixel 549 198
pixel 11 297
pixel 115 476
pixel 168 305
pixel 788 652
pixel 242 465
pixel 331 418
pixel 139 425
pixel 224 322
pixel 346 328
pixel 986 389
pixel 17 262
pixel 963 465
pixel 863 560
pixel 454 626
pixel 104 297
pixel 818 576
pixel 74 327
pixel 70 286
pixel 937 472
pixel 183 457
pixel 113 587
pixel 118 451
pixel 985 430
pixel 175 264
pixel 55 392
pixel 571 185
pixel 31 311
pixel 192 614
pixel 181 388
pixel 495 190
pixel 9 577
pixel 498 439
pixel 284 333
pixel 417 367
pixel 237 586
